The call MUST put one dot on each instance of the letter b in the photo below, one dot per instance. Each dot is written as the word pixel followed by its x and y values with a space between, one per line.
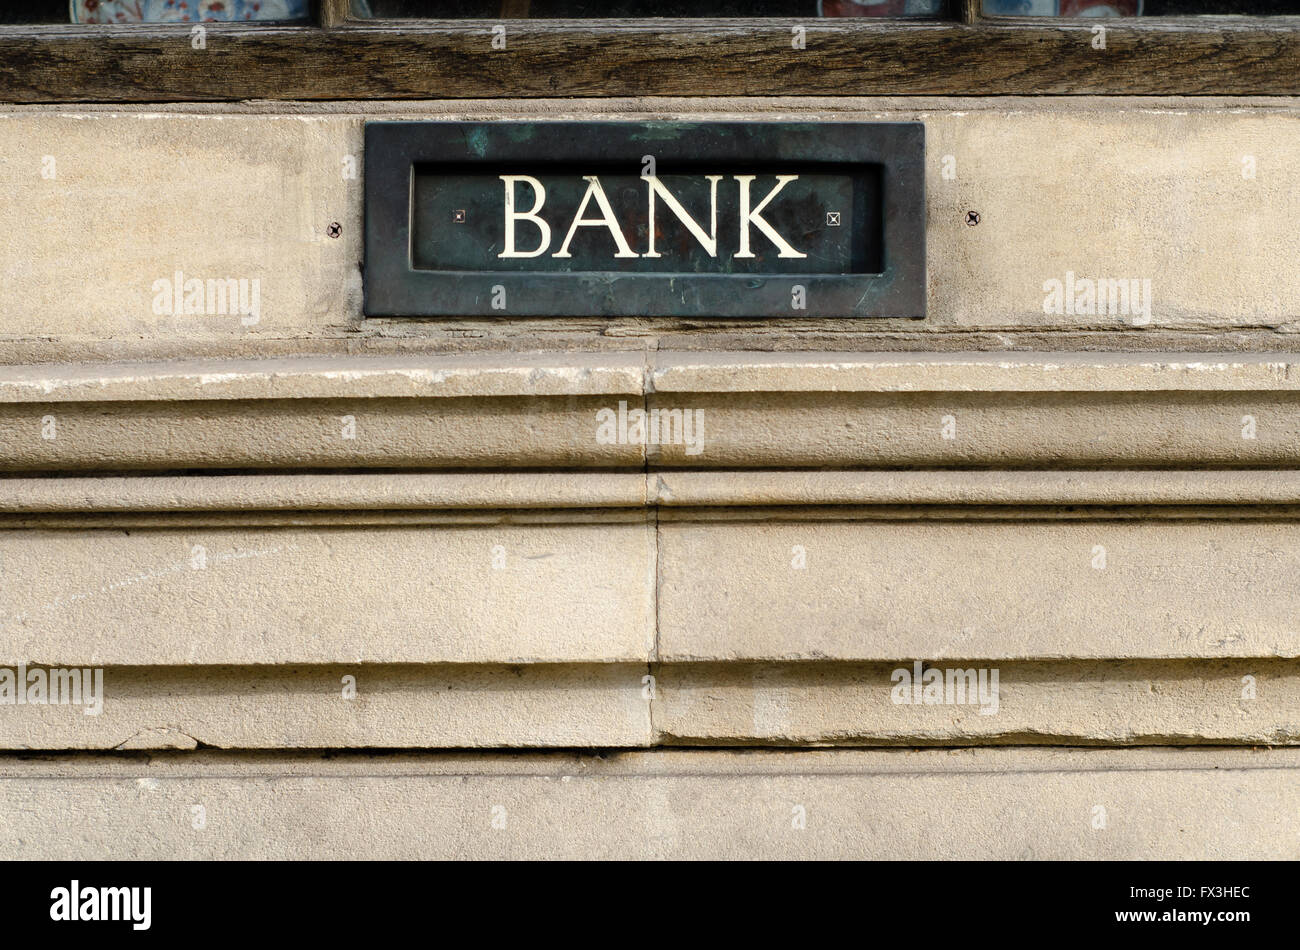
pixel 539 196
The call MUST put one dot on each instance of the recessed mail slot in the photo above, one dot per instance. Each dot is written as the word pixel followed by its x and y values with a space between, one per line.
pixel 734 219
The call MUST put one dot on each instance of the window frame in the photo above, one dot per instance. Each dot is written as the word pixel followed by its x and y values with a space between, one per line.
pixel 343 58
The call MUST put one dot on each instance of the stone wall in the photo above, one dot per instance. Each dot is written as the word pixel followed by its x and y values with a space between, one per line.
pixel 332 565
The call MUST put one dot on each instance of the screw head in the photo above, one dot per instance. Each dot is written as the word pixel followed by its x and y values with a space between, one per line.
pixel 334 230
pixel 972 218
pixel 458 217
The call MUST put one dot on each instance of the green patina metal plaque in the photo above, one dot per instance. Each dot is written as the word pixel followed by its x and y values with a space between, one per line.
pixel 731 219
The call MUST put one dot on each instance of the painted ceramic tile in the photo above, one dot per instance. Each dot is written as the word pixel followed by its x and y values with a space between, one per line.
pixel 1063 7
pixel 878 7
pixel 185 11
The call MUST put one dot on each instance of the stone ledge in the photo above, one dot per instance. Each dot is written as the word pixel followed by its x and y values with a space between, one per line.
pixel 997 589
pixel 612 706
pixel 974 804
pixel 971 372
pixel 516 593
pixel 955 489
pixel 625 585
pixel 493 411
pixel 597 705
pixel 1050 702
pixel 498 374
pixel 337 377
pixel 281 492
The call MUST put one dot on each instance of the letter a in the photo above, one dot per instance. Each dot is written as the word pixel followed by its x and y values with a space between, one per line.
pixel 606 218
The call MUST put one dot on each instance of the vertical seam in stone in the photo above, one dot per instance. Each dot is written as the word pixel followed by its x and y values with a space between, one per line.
pixel 652 503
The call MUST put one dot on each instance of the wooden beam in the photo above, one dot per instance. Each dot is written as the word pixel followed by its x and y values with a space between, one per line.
pixel 404 59
pixel 334 12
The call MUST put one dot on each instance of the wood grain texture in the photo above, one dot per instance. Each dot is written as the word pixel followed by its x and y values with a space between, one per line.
pixel 444 59
pixel 335 12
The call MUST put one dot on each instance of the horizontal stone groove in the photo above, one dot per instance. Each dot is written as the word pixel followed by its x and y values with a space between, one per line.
pixel 634 763
pixel 978 803
pixel 556 335
pixel 611 706
pixel 490 491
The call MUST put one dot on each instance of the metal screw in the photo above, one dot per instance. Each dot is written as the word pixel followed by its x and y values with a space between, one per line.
pixel 972 218
pixel 458 217
pixel 334 230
